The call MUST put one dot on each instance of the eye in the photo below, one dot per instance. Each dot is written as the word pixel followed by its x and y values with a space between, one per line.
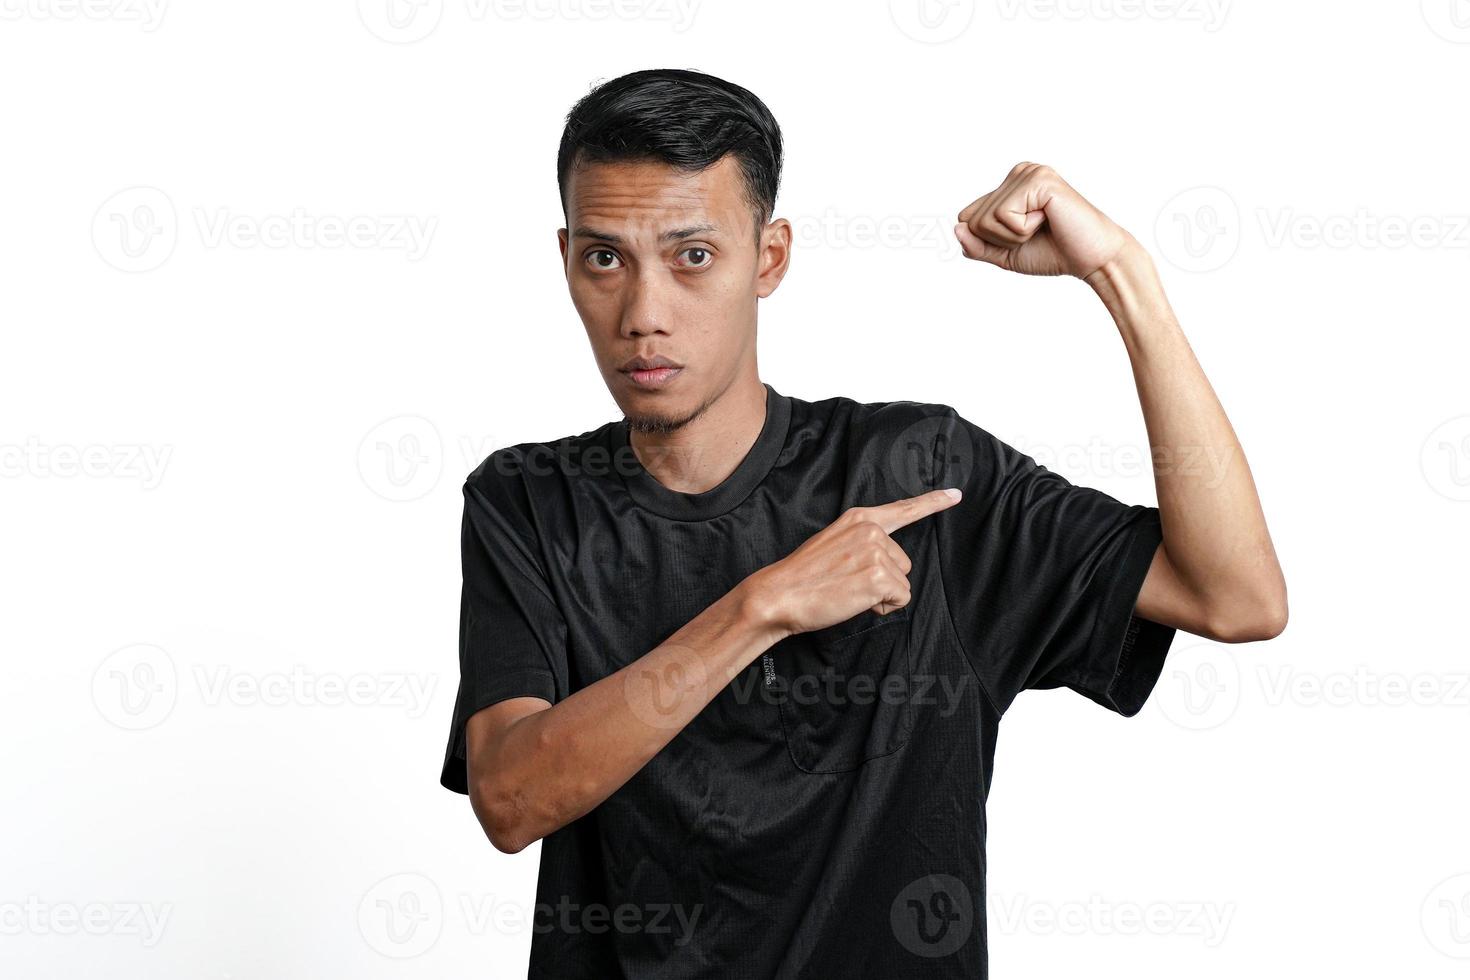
pixel 603 258
pixel 702 256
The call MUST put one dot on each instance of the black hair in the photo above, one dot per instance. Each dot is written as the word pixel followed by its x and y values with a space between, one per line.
pixel 686 119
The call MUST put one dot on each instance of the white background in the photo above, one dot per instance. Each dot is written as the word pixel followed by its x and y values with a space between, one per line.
pixel 233 447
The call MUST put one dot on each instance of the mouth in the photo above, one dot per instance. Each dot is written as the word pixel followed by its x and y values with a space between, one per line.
pixel 651 372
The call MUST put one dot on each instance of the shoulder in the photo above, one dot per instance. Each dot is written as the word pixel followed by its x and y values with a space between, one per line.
pixel 895 422
pixel 926 445
pixel 516 476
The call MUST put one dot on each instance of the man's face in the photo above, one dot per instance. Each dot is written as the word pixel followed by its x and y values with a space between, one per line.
pixel 665 265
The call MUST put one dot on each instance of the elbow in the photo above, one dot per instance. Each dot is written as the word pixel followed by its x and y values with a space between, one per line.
pixel 502 813
pixel 1260 618
pixel 508 838
pixel 508 843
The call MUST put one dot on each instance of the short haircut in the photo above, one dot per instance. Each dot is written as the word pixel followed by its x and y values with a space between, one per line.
pixel 686 119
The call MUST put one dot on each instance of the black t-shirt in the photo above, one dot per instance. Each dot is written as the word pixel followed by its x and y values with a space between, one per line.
pixel 824 815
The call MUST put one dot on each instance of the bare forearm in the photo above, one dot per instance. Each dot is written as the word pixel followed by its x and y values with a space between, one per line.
pixel 553 765
pixel 1217 547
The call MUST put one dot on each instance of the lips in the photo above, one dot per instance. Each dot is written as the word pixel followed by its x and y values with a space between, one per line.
pixel 651 372
pixel 648 363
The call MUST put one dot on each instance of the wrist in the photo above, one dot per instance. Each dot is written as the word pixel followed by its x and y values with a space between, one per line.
pixel 1128 285
pixel 1129 266
pixel 758 609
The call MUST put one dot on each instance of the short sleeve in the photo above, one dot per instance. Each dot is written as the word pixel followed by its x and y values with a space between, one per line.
pixel 512 636
pixel 1041 576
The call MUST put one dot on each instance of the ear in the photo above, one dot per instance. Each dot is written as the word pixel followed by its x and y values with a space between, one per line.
pixel 773 258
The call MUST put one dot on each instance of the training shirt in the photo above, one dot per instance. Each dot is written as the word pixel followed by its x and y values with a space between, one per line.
pixel 824 815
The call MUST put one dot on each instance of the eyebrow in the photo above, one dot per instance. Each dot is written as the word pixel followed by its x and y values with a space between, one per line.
pixel 677 234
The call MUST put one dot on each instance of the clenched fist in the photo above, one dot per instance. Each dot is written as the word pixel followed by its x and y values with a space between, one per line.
pixel 850 565
pixel 1036 224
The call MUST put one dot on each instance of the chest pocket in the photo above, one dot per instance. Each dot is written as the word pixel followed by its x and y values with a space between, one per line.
pixel 845 692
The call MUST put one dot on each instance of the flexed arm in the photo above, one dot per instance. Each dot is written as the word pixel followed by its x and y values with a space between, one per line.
pixel 1216 572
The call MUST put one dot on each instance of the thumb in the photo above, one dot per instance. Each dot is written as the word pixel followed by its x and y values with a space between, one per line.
pixel 977 248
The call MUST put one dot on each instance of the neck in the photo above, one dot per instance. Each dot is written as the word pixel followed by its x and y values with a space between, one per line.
pixel 702 453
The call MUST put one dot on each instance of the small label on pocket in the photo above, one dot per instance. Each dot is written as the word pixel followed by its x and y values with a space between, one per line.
pixel 769 666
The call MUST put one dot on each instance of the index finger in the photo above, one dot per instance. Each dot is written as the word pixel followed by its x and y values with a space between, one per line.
pixel 901 513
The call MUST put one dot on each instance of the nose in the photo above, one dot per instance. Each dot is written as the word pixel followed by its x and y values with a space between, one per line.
pixel 645 309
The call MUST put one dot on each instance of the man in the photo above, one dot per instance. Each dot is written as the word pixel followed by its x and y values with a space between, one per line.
pixel 738 659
